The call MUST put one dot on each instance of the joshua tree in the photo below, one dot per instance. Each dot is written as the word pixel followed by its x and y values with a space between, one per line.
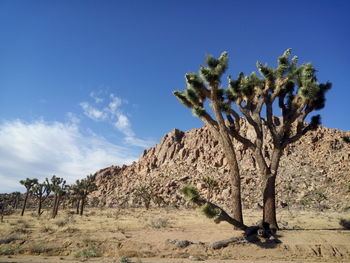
pixel 145 194
pixel 58 186
pixel 41 191
pixel 211 185
pixel 28 184
pixel 194 97
pixel 294 89
pixel 81 190
pixel 15 196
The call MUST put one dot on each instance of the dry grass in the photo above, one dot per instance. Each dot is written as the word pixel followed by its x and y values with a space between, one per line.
pixel 131 233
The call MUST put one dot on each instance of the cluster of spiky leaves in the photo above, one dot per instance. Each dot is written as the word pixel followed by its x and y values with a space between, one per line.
pixel 210 211
pixel 210 182
pixel 290 81
pixel 190 192
pixel 83 187
pixel 196 91
pixel 39 189
pixel 29 183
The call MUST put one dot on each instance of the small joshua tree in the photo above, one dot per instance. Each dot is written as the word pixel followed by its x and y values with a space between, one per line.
pixel 41 191
pixel 144 193
pixel 81 189
pixel 58 186
pixel 28 184
pixel 15 199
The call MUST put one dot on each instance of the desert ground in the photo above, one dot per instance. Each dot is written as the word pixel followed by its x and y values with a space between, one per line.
pixel 139 235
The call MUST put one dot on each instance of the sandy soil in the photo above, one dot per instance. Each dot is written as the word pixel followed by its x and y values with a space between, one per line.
pixel 143 236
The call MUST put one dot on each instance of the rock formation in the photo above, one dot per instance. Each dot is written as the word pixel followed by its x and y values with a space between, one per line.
pixel 314 172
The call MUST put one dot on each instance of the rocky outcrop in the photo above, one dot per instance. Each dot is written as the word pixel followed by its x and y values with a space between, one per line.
pixel 314 172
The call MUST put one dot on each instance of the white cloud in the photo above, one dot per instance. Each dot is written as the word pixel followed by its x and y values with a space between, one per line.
pixel 92 112
pixel 123 125
pixel 114 104
pixel 40 149
pixel 139 142
pixel 113 114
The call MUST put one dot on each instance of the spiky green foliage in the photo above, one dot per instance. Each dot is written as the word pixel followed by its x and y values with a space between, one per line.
pixel 215 68
pixel 190 192
pixel 182 98
pixel 210 182
pixel 198 111
pixel 59 187
pixel 29 183
pixel 210 211
pixel 81 189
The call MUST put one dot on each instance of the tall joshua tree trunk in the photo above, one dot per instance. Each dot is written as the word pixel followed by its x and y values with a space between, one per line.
pixel 77 206
pixel 234 178
pixel 269 213
pixel 39 205
pixel 82 203
pixel 25 203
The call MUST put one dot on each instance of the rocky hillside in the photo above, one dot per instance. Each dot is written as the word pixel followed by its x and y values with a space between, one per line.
pixel 314 172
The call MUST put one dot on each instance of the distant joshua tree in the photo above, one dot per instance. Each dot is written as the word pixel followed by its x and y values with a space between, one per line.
pixel 144 193
pixel 15 196
pixel 294 89
pixel 41 191
pixel 81 189
pixel 58 186
pixel 28 184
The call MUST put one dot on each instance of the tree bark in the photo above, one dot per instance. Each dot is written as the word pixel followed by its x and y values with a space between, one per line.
pixel 77 206
pixel 269 210
pixel 269 196
pixel 227 145
pixel 54 207
pixel 234 178
pixel 82 206
pixel 39 206
pixel 25 203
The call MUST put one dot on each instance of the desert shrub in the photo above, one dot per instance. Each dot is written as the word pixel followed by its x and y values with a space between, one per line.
pixel 70 229
pixel 65 221
pixel 345 223
pixel 159 222
pixel 23 223
pixel 124 260
pixel 88 252
pixel 9 251
pixel 46 229
pixel 39 248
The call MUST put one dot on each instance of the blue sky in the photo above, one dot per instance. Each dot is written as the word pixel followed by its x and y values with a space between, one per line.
pixel 87 84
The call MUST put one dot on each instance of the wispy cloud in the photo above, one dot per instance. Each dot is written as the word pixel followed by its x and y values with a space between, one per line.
pixel 113 113
pixel 40 149
pixel 92 112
